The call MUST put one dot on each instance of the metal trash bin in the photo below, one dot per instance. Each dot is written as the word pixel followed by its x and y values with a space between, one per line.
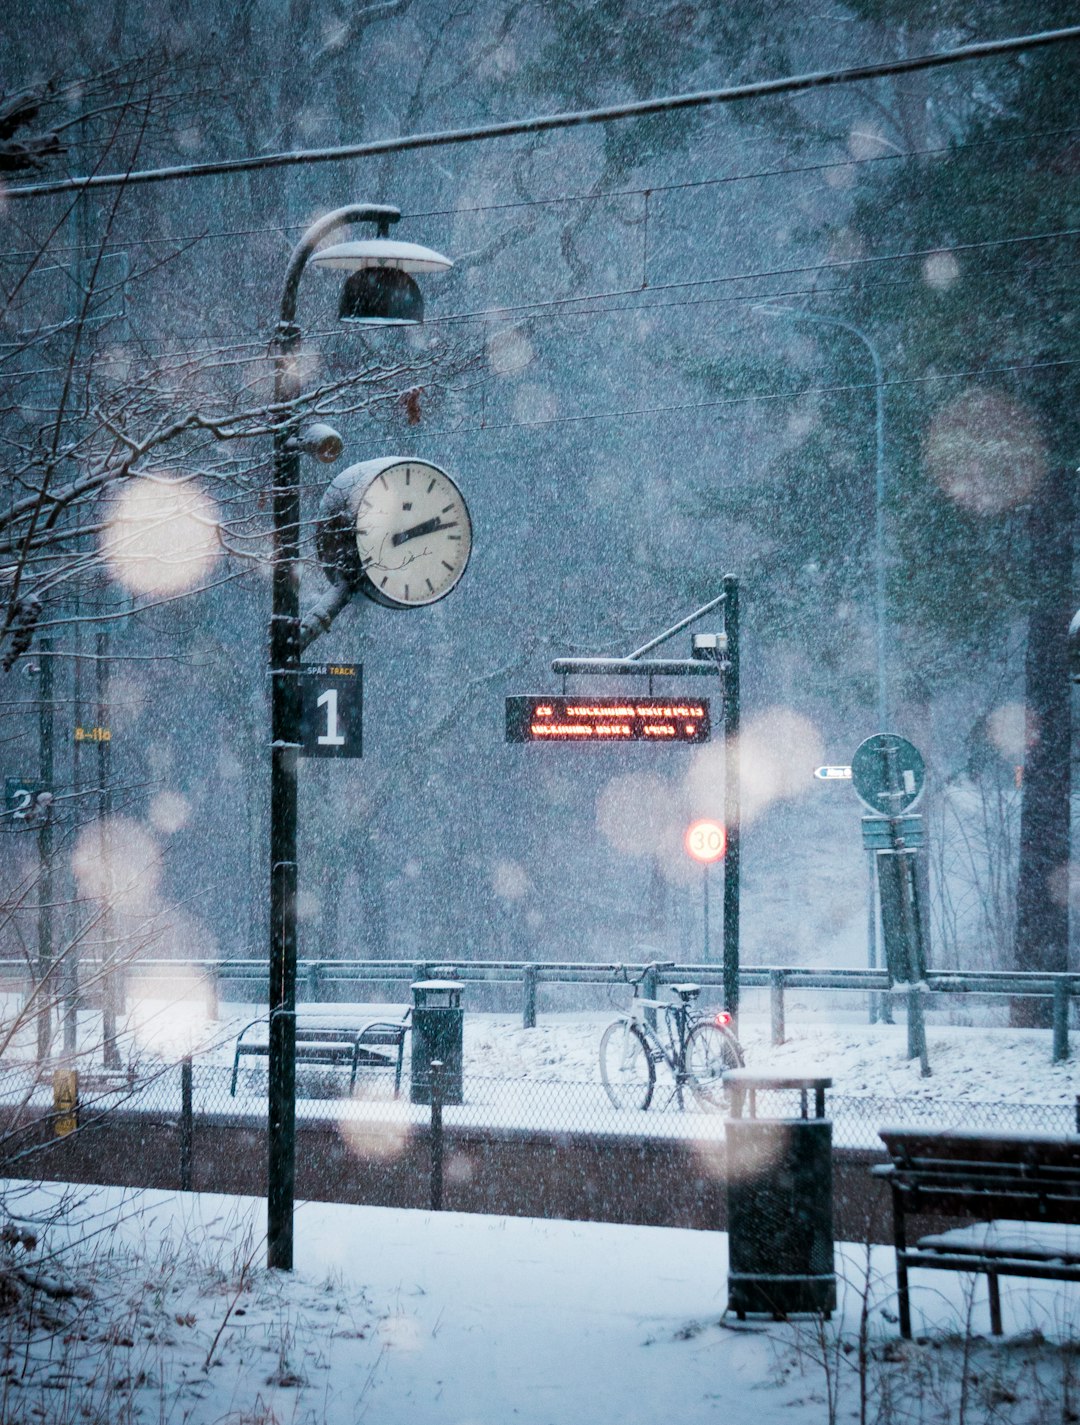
pixel 437 1024
pixel 779 1196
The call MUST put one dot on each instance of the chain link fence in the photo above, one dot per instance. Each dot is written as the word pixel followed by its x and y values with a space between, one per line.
pixel 542 1104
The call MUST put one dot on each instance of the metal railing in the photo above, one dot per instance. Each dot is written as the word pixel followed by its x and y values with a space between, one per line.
pixel 317 980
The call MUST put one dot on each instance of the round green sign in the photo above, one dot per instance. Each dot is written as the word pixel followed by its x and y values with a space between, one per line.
pixel 888 773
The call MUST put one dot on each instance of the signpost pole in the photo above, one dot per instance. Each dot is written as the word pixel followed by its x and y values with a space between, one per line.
pixel 705 910
pixel 46 717
pixel 110 973
pixel 731 801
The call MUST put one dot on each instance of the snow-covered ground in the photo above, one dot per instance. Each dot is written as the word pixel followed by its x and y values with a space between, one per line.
pixel 989 1064
pixel 413 1318
pixel 548 1076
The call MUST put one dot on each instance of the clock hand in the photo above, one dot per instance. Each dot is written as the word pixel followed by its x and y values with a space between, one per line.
pixel 430 526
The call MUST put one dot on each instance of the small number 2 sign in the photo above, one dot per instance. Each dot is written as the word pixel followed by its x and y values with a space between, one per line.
pixel 331 703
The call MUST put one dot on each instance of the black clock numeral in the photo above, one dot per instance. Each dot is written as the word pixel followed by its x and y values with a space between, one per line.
pixel 447 566
pixel 430 488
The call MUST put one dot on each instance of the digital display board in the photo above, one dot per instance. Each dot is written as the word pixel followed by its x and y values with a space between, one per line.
pixel 547 719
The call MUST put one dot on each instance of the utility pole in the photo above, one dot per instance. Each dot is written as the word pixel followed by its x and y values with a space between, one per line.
pixel 110 974
pixel 46 769
pixel 731 799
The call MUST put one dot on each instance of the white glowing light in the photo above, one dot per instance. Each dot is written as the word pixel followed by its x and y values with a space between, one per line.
pixel 509 350
pixel 171 1022
pixel 1012 730
pixel 169 812
pixel 161 536
pixel 777 751
pixel 509 880
pixel 118 861
pixel 940 270
pixel 637 813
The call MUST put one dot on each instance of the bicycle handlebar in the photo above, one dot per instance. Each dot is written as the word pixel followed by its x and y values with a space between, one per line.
pixel 638 980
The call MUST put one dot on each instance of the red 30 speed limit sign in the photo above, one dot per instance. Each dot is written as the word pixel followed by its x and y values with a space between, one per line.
pixel 706 840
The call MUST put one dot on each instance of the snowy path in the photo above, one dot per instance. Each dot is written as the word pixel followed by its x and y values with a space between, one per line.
pixel 413 1318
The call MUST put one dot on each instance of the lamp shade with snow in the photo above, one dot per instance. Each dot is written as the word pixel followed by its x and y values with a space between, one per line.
pixel 380 290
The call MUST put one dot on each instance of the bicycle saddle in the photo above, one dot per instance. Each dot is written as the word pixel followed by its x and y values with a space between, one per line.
pixel 686 992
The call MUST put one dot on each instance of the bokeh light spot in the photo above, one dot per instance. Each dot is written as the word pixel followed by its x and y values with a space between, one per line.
pixel 940 270
pixel 161 536
pixel 169 812
pixel 117 861
pixel 1012 729
pixel 986 451
pixel 635 813
pixel 778 751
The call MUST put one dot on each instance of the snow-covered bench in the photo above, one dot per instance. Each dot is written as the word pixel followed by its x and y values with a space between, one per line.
pixel 335 1037
pixel 1023 1187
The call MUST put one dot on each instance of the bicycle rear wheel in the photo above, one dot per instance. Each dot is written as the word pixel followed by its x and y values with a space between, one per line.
pixel 710 1052
pixel 626 1066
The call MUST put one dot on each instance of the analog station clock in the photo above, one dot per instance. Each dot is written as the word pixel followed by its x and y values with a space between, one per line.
pixel 396 529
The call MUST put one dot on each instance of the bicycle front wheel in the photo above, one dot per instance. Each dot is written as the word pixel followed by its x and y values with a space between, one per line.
pixel 626 1066
pixel 710 1052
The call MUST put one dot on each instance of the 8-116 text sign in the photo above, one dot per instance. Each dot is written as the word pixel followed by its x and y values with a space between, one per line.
pixel 607 720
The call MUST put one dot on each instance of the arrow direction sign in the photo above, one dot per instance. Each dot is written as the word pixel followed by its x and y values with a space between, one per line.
pixel 833 774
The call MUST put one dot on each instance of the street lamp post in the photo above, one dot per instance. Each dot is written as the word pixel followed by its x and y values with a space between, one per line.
pixel 879 485
pixel 877 1009
pixel 378 290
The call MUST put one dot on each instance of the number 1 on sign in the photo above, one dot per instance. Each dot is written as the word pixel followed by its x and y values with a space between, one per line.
pixel 331 738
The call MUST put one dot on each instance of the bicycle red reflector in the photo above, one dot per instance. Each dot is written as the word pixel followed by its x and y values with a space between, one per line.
pixel 723 1019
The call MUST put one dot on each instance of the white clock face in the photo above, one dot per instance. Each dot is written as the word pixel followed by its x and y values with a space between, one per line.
pixel 413 534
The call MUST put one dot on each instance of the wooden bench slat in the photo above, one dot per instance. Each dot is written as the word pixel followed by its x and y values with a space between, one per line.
pixel 1019 1185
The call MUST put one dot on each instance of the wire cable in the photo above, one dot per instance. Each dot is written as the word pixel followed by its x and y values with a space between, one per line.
pixel 546 123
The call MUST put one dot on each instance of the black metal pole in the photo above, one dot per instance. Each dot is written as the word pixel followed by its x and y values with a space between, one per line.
pixel 284 719
pixel 731 799
pixel 705 911
pixel 73 948
pixel 46 717
pixel 285 738
pixel 187 1123
pixel 437 1088
pixel 110 972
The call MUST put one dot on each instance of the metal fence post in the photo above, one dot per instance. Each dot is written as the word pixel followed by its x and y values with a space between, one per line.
pixel 528 999
pixel 1060 1020
pixel 916 1030
pixel 649 987
pixel 776 1005
pixel 187 1124
pixel 436 1135
pixel 213 993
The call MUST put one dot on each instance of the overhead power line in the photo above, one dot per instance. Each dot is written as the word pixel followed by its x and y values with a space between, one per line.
pixel 642 190
pixel 546 123
pixel 753 398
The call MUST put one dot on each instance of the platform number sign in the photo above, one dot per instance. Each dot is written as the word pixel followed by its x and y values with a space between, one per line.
pixel 20 800
pixel 331 704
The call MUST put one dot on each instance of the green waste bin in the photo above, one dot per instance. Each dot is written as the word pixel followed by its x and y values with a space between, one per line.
pixel 437 1023
pixel 779 1195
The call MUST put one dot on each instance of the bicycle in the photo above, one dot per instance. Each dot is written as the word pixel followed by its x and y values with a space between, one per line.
pixel 698 1051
